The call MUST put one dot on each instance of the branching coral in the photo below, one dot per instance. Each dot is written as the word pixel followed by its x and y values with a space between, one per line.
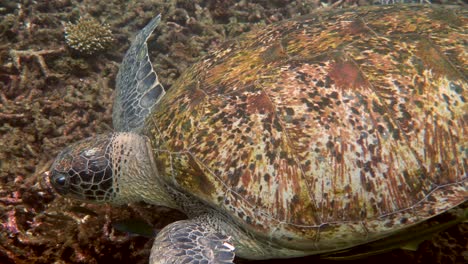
pixel 88 36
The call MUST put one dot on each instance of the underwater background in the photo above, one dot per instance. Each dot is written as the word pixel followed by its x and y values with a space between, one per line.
pixel 56 87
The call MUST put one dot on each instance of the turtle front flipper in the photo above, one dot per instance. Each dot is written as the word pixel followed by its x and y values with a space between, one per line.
pixel 191 241
pixel 138 88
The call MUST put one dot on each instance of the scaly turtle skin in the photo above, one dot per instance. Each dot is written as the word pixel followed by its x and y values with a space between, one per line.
pixel 308 136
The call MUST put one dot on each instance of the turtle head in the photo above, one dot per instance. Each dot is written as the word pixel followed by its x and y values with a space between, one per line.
pixel 84 170
pixel 115 168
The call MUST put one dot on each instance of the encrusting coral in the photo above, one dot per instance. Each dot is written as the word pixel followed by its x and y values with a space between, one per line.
pixel 88 36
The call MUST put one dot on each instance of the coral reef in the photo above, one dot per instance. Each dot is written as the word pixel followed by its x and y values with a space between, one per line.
pixel 88 36
pixel 50 98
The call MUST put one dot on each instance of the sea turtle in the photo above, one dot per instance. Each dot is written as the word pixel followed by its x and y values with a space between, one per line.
pixel 307 136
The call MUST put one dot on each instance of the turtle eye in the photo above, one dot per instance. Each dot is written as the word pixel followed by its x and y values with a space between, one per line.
pixel 60 182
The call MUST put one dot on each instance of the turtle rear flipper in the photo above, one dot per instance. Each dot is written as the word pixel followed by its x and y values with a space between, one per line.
pixel 191 241
pixel 138 88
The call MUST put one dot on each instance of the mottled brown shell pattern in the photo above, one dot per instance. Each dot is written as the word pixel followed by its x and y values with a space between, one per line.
pixel 325 131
